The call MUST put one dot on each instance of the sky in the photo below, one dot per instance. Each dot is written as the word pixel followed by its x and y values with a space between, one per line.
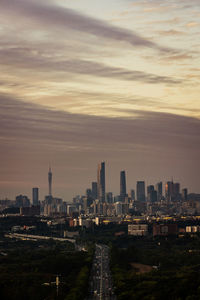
pixel 85 81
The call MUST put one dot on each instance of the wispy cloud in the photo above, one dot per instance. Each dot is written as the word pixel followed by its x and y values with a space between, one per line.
pixel 25 58
pixel 18 119
pixel 192 24
pixel 52 16
pixel 171 32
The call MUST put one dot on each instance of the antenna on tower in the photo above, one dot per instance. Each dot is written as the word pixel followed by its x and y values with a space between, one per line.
pixel 50 180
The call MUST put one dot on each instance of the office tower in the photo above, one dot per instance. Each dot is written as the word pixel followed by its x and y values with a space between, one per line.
pixel 50 181
pixel 131 194
pixel 22 201
pixel 184 194
pixel 150 190
pixel 89 193
pixel 122 185
pixel 35 196
pixel 169 190
pixel 85 204
pixel 94 190
pixel 172 190
pixel 159 191
pixel 118 208
pixel 109 197
pixel 141 191
pixel 151 194
pixel 101 182
pixel 176 189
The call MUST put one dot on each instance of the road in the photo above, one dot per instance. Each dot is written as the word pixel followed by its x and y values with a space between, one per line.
pixel 37 237
pixel 101 287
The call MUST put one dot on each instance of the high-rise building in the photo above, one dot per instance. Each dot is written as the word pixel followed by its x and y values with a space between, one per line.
pixel 22 201
pixel 184 194
pixel 141 191
pixel 89 193
pixel 159 190
pixel 150 190
pixel 151 194
pixel 169 190
pixel 122 185
pixel 131 194
pixel 109 197
pixel 176 189
pixel 35 196
pixel 172 190
pixel 50 181
pixel 101 185
pixel 94 190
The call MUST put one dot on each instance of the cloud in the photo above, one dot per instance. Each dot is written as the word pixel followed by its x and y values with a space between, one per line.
pixel 51 16
pixel 167 21
pixel 178 57
pixel 25 58
pixel 171 32
pixel 29 122
pixel 192 24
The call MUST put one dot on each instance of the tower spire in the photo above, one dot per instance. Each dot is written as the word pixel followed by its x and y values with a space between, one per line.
pixel 50 180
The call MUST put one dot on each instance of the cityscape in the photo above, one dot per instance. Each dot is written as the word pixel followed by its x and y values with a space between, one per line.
pixel 163 200
pixel 93 227
pixel 99 150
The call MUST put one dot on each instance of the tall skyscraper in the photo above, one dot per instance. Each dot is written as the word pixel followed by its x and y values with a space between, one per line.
pixel 151 194
pixel 101 185
pixel 184 194
pixel 35 196
pixel 94 190
pixel 159 190
pixel 172 190
pixel 150 190
pixel 169 190
pixel 176 189
pixel 109 197
pixel 50 181
pixel 122 185
pixel 141 191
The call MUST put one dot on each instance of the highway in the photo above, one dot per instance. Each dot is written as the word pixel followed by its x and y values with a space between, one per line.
pixel 101 287
pixel 37 237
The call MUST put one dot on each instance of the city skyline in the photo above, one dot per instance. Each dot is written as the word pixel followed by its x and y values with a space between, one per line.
pixel 97 189
pixel 89 81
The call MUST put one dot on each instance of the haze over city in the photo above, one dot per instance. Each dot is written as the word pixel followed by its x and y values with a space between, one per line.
pixel 89 81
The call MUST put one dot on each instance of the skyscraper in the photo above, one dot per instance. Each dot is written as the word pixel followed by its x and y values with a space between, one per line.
pixel 150 190
pixel 94 190
pixel 35 196
pixel 101 182
pixel 141 191
pixel 122 185
pixel 159 190
pixel 131 194
pixel 184 194
pixel 169 190
pixel 50 181
pixel 172 190
pixel 151 194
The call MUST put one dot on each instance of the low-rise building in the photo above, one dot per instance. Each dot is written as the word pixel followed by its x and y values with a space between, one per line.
pixel 138 229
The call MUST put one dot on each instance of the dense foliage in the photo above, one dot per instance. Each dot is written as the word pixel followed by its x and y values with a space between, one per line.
pixel 28 271
pixel 176 271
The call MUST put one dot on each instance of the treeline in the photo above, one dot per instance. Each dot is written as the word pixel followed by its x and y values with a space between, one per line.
pixel 175 269
pixel 29 273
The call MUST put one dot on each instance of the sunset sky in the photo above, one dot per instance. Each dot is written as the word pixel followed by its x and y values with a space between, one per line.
pixel 84 81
